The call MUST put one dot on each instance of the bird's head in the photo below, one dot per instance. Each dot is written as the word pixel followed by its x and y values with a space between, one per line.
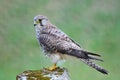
pixel 40 20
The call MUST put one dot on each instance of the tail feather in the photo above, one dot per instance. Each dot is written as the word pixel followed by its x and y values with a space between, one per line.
pixel 86 57
pixel 95 66
pixel 94 58
pixel 83 54
pixel 90 53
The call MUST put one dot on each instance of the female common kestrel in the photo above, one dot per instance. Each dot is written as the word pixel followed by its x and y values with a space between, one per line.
pixel 55 44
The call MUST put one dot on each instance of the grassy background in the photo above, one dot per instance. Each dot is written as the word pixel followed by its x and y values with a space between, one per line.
pixel 95 24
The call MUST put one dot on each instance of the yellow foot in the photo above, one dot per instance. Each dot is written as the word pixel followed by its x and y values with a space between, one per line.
pixel 53 67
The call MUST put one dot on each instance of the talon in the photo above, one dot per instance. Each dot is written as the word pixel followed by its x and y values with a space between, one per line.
pixel 53 67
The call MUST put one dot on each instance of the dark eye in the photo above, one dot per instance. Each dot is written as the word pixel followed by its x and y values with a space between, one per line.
pixel 40 20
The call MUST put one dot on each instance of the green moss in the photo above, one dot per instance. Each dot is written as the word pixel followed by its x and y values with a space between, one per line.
pixel 34 74
pixel 40 74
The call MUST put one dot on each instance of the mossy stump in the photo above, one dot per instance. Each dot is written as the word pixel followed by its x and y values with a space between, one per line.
pixel 44 74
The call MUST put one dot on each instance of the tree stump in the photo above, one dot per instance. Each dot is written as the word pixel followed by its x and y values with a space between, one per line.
pixel 44 74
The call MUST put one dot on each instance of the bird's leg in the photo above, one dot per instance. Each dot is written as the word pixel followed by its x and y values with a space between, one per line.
pixel 54 66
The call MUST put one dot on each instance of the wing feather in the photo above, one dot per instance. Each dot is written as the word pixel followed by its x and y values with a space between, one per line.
pixel 52 43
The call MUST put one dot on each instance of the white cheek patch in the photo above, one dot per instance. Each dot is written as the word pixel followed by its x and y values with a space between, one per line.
pixel 44 22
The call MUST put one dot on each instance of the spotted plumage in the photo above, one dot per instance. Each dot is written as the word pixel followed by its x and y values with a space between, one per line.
pixel 55 44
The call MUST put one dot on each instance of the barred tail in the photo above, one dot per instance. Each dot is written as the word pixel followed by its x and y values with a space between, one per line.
pixel 95 66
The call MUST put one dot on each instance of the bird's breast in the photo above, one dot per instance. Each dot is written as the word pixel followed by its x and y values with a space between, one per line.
pixel 56 57
pixel 37 32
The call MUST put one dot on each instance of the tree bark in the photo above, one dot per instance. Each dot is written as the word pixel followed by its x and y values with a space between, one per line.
pixel 44 74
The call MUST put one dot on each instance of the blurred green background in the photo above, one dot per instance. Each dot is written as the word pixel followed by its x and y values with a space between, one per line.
pixel 95 24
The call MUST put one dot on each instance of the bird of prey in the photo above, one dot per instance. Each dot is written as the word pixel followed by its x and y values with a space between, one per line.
pixel 56 44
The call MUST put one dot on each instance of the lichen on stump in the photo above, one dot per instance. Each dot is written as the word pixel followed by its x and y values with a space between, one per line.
pixel 44 74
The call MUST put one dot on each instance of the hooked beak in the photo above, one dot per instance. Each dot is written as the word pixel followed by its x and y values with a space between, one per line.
pixel 35 23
